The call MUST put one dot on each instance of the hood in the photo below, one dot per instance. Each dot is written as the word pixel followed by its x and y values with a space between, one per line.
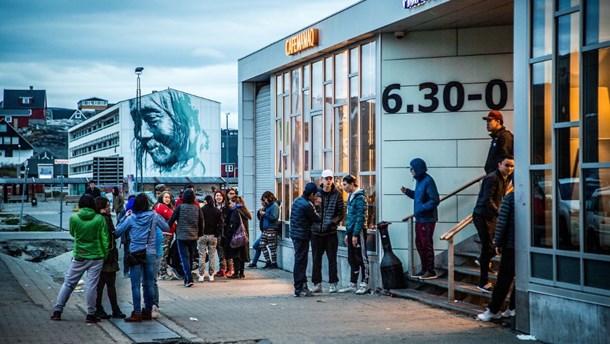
pixel 143 218
pixel 86 214
pixel 188 196
pixel 129 205
pixel 357 192
pixel 419 167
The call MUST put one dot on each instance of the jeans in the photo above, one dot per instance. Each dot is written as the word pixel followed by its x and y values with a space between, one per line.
pixel 319 245
pixel 186 249
pixel 301 250
pixel 424 241
pixel 143 276
pixel 156 286
pixel 107 279
pixel 257 250
pixel 75 271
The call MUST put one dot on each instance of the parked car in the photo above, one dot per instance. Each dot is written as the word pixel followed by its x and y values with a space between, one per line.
pixel 597 220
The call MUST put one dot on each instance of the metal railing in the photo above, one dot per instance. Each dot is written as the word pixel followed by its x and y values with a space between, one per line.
pixel 446 236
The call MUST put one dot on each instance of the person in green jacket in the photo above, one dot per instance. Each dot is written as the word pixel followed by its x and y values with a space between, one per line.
pixel 90 249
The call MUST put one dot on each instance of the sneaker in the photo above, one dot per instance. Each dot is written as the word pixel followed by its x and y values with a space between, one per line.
pixel 332 288
pixel 189 284
pixel 118 314
pixel 252 265
pixel 508 313
pixel 200 279
pixel 211 278
pixel 488 315
pixel 362 289
pixel 418 274
pixel 317 288
pixel 92 319
pixel 488 288
pixel 303 293
pixel 349 289
pixel 155 312
pixel 101 313
pixel 428 275
pixel 268 265
pixel 56 316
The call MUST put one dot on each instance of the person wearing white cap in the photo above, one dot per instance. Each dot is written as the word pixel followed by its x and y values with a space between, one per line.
pixel 324 234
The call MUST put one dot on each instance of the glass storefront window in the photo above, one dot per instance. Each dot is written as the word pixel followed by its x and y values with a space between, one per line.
pixel 341 78
pixel 328 126
pixel 542 21
pixel 296 92
pixel 597 29
pixel 295 147
pixel 328 69
pixel 597 211
pixel 541 203
pixel 278 146
pixel 317 81
pixel 568 189
pixel 568 65
pixel 368 133
pixel 541 113
pixel 368 184
pixel 367 73
pixel 342 144
pixel 354 151
pixel 354 61
pixel 596 122
pixel 316 142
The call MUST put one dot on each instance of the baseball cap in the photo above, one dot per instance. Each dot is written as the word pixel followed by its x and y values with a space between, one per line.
pixel 327 173
pixel 160 187
pixel 494 114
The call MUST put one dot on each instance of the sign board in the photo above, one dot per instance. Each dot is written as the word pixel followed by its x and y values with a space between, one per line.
pixel 61 161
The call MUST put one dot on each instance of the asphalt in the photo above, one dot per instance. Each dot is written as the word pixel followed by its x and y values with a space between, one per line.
pixel 257 309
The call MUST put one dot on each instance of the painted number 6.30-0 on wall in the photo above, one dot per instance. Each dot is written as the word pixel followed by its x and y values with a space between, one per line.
pixel 392 101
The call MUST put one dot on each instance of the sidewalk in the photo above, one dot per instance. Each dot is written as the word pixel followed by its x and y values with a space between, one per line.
pixel 259 308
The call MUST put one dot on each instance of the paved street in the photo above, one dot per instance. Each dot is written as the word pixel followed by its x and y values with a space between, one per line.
pixel 260 308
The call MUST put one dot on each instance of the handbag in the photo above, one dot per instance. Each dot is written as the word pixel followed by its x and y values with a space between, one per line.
pixel 239 238
pixel 138 257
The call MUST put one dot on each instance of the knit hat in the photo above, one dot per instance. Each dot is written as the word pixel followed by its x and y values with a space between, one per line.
pixel 309 189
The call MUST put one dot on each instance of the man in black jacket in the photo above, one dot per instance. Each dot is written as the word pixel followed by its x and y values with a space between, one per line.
pixel 485 214
pixel 303 215
pixel 504 243
pixel 92 190
pixel 501 140
pixel 206 244
pixel 324 234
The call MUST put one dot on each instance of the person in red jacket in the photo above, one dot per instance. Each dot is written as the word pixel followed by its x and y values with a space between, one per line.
pixel 165 208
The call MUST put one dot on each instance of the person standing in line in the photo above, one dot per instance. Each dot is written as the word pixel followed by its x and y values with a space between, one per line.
pixel 118 202
pixel 324 235
pixel 240 255
pixel 485 215
pixel 190 224
pixel 355 238
pixel 501 140
pixel 90 249
pixel 207 243
pixel 165 208
pixel 141 226
pixel 180 199
pixel 426 201
pixel 303 214
pixel 504 243
pixel 92 190
pixel 110 266
pixel 257 243
pixel 125 241
pixel 222 203
pixel 269 217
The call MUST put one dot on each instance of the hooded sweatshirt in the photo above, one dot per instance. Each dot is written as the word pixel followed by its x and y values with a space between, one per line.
pixel 425 195
pixel 138 225
pixel 356 213
pixel 90 234
pixel 189 217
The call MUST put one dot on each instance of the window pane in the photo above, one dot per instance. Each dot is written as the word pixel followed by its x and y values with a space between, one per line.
pixel 354 60
pixel 278 146
pixel 542 266
pixel 328 160
pixel 563 4
pixel 328 69
pixel 279 195
pixel 306 133
pixel 287 199
pixel 317 82
pixel 368 184
pixel 296 92
pixel 542 21
pixel 328 116
pixel 316 142
pixel 279 85
pixel 596 100
pixel 542 226
pixel 367 135
pixel 568 270
pixel 341 78
pixel 342 145
pixel 568 68
pixel 368 70
pixel 541 113
pixel 596 274
pixel 596 27
pixel 597 211
pixel 568 189
pixel 295 147
pixel 286 84
pixel 354 128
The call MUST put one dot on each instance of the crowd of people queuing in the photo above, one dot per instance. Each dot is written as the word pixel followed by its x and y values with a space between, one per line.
pixel 178 240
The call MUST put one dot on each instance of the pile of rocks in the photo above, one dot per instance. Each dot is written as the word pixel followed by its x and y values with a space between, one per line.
pixel 36 251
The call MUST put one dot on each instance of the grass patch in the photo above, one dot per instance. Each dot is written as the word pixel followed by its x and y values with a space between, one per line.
pixel 33 227
pixel 12 221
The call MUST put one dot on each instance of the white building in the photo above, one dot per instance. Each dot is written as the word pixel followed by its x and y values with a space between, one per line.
pixel 381 82
pixel 167 134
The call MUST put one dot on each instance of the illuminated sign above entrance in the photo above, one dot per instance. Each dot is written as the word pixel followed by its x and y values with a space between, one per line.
pixel 302 41
pixel 413 3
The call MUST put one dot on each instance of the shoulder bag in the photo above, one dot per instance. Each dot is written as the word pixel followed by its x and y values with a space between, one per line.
pixel 239 238
pixel 139 257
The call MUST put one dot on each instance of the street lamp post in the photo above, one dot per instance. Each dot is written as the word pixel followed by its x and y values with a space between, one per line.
pixel 227 146
pixel 18 161
pixel 139 149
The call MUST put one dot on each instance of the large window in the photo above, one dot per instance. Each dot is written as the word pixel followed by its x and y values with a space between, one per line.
pixel 570 144
pixel 325 119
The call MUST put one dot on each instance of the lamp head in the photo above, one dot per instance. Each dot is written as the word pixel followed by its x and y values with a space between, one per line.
pixel 139 70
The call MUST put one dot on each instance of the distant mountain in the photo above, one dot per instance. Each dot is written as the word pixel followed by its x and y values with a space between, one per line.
pixel 52 136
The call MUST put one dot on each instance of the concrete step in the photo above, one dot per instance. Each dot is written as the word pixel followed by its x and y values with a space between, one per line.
pixel 438 301
pixel 462 287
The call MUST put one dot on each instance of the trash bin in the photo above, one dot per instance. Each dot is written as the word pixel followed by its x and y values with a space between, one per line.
pixel 34 201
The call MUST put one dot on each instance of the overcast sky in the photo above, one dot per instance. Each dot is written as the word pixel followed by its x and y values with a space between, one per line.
pixel 76 49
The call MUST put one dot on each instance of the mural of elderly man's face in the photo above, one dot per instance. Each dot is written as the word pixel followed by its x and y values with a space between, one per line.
pixel 159 135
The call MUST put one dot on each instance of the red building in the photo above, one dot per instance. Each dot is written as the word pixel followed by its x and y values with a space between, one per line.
pixel 19 107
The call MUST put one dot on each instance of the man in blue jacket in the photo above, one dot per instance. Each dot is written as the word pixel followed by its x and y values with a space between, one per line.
pixel 303 215
pixel 425 210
